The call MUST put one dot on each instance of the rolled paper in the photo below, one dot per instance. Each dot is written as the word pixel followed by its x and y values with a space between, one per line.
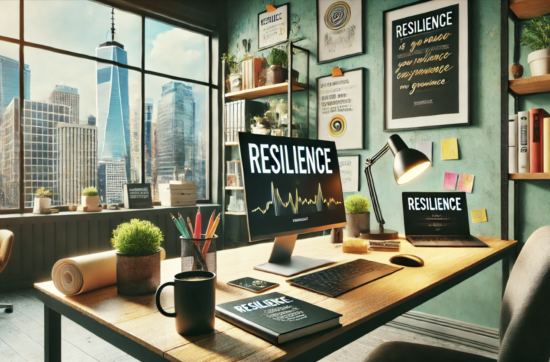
pixel 73 276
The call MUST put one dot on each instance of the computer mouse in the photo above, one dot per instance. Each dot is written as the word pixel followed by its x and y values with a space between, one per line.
pixel 407 260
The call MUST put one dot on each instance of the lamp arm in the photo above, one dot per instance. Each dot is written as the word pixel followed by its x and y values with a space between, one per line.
pixel 370 181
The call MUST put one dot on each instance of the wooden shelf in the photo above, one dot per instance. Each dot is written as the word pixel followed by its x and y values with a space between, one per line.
pixel 230 144
pixel 531 85
pixel 234 187
pixel 529 176
pixel 528 9
pixel 235 213
pixel 265 91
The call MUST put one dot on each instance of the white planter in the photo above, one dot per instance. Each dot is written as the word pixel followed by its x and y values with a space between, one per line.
pixel 92 202
pixel 539 62
pixel 42 205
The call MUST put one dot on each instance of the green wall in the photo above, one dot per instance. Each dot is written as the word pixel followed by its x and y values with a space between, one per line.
pixel 476 300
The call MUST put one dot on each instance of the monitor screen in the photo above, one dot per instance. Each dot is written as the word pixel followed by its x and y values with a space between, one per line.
pixel 292 186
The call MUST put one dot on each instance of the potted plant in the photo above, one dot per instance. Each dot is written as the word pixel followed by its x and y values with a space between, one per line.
pixel 277 73
pixel 235 78
pixel 537 36
pixel 137 245
pixel 42 201
pixel 90 199
pixel 357 215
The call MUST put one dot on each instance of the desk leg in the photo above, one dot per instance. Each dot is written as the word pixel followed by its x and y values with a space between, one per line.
pixel 52 335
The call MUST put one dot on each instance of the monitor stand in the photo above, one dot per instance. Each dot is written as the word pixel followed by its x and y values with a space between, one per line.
pixel 283 263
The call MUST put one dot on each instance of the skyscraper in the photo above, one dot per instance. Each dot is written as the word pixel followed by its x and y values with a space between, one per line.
pixel 135 139
pixel 67 96
pixel 148 129
pixel 9 82
pixel 175 132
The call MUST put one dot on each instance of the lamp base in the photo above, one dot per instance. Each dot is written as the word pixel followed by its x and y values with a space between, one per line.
pixel 380 234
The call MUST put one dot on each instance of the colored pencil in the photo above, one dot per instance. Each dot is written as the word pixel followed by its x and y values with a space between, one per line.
pixel 178 226
pixel 210 223
pixel 184 225
pixel 209 236
pixel 198 224
pixel 190 225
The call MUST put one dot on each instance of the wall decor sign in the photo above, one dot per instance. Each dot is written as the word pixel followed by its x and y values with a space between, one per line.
pixel 273 27
pixel 426 65
pixel 339 29
pixel 340 109
pixel 137 196
pixel 349 173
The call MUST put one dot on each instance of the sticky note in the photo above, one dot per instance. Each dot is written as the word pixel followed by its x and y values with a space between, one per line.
pixel 425 148
pixel 479 215
pixel 449 180
pixel 449 149
pixel 466 183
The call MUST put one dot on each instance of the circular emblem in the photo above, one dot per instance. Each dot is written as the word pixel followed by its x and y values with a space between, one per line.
pixel 337 15
pixel 337 126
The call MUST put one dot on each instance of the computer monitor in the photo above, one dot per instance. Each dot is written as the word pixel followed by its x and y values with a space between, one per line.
pixel 292 186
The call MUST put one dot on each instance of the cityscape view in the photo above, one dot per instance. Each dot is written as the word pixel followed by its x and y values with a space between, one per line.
pixel 87 131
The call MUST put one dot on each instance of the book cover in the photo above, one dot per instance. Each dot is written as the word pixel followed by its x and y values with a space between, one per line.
pixel 546 145
pixel 277 318
pixel 536 116
pixel 523 142
pixel 512 130
pixel 258 67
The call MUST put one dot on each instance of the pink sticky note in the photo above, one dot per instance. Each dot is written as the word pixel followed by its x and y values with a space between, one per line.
pixel 449 181
pixel 466 183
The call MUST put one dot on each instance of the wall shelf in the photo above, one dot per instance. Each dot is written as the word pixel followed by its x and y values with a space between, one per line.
pixel 529 176
pixel 527 9
pixel 266 91
pixel 234 187
pixel 530 85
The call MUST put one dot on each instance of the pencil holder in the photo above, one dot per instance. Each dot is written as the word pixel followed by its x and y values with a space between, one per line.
pixel 198 254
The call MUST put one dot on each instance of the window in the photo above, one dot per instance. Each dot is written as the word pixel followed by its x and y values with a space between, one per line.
pixel 94 113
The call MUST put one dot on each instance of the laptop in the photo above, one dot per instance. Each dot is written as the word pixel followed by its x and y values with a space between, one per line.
pixel 438 219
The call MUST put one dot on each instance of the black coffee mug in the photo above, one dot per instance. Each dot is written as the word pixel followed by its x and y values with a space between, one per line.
pixel 195 302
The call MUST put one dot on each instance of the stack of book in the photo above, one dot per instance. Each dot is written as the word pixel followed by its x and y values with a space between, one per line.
pixel 529 142
pixel 251 70
pixel 234 175
pixel 238 115
pixel 178 194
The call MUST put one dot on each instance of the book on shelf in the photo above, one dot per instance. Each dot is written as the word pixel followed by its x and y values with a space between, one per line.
pixel 277 318
pixel 512 143
pixel 523 142
pixel 536 116
pixel 238 115
pixel 546 144
pixel 258 68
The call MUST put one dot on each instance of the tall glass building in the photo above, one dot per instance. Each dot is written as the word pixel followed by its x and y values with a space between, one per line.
pixel 67 96
pixel 9 82
pixel 148 128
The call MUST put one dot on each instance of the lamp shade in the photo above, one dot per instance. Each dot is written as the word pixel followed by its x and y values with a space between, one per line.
pixel 408 163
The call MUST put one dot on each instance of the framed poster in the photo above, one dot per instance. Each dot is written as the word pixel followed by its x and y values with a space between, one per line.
pixel 339 29
pixel 137 196
pixel 349 173
pixel 426 65
pixel 273 27
pixel 340 109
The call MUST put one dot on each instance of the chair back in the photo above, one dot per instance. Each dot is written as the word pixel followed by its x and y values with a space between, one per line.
pixel 525 314
pixel 6 244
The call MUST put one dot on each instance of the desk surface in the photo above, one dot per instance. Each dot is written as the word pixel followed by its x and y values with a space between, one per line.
pixel 363 309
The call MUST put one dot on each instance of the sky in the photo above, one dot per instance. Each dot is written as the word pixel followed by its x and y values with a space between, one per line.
pixel 80 26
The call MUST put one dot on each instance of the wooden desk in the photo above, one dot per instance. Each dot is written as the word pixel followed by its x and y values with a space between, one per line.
pixel 134 325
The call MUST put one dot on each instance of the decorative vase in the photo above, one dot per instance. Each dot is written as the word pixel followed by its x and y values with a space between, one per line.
pixel 236 80
pixel 92 202
pixel 137 274
pixel 539 62
pixel 41 205
pixel 357 223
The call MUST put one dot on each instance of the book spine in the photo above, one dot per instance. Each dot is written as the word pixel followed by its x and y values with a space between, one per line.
pixel 512 159
pixel 247 326
pixel 535 140
pixel 241 116
pixel 523 142
pixel 512 143
pixel 226 122
pixel 546 144
pixel 234 125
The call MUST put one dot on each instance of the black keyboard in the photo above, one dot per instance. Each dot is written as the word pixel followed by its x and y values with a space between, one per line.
pixel 445 238
pixel 342 278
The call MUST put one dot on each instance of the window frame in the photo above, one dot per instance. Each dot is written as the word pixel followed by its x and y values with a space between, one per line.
pixel 144 13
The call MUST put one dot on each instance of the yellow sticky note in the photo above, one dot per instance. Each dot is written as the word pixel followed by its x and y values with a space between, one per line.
pixel 449 149
pixel 479 215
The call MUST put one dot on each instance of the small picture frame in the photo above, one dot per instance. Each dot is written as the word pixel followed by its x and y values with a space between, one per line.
pixel 340 29
pixel 273 27
pixel 349 172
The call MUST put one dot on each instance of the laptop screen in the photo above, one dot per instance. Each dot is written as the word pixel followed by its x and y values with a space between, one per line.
pixel 435 213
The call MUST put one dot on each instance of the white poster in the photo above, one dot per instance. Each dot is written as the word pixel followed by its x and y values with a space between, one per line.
pixel 339 29
pixel 340 109
pixel 273 27
pixel 349 173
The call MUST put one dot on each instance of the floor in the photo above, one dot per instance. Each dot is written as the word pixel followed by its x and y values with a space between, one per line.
pixel 22 337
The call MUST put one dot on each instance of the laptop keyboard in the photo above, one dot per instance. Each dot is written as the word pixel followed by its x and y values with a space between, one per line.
pixel 444 238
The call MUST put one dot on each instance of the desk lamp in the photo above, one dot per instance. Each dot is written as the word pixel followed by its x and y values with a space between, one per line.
pixel 407 165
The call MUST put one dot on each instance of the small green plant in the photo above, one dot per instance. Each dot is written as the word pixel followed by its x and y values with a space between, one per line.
pixel 90 191
pixel 357 204
pixel 137 237
pixel 537 33
pixel 277 57
pixel 41 193
pixel 231 63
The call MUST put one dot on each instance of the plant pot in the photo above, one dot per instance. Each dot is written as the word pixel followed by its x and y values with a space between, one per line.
pixel 357 223
pixel 276 74
pixel 539 62
pixel 92 202
pixel 236 80
pixel 137 274
pixel 42 205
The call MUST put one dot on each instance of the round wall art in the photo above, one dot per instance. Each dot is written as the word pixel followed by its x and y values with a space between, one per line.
pixel 337 15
